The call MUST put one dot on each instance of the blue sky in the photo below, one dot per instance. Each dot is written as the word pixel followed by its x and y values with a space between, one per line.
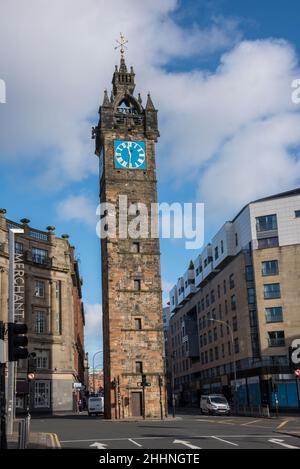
pixel 220 73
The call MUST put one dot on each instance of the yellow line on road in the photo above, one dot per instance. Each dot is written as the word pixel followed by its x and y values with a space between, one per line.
pixel 282 424
pixel 251 422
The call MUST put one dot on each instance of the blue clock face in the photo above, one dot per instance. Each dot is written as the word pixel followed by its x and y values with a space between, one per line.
pixel 130 154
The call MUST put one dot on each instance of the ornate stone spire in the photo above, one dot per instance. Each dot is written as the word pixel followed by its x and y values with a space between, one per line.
pixel 149 104
pixel 122 79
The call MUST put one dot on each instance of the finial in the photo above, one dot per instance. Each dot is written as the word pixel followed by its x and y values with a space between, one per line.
pixel 25 221
pixel 122 41
pixel 105 99
pixel 149 104
pixel 139 98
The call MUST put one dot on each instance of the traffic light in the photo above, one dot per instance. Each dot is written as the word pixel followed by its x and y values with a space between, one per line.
pixel 31 366
pixel 17 341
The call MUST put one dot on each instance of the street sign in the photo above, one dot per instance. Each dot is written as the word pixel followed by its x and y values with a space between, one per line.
pixel 297 372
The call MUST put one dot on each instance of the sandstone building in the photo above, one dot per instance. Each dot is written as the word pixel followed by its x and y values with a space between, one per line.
pixel 237 306
pixel 53 312
pixel 131 282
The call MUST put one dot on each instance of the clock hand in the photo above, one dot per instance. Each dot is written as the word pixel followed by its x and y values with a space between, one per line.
pixel 130 156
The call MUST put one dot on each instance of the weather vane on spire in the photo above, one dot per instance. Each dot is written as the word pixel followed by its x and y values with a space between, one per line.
pixel 122 41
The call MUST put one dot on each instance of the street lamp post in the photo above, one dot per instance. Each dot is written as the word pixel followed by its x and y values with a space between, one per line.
pixel 96 353
pixel 233 352
pixel 173 383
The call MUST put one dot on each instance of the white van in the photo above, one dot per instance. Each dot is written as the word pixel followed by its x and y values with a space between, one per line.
pixel 95 405
pixel 214 404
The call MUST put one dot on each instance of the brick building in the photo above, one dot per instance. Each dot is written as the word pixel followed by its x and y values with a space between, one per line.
pixel 131 283
pixel 237 308
pixel 53 312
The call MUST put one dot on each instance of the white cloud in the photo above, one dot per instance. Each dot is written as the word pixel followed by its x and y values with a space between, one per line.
pixel 93 330
pixel 57 57
pixel 78 208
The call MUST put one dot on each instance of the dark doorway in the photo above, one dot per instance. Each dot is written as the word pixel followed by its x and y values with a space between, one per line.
pixel 136 404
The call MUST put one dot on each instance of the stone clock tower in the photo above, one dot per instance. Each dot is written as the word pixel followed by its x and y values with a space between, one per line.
pixel 133 343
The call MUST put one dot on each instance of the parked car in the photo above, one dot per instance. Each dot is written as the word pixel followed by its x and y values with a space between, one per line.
pixel 95 405
pixel 214 404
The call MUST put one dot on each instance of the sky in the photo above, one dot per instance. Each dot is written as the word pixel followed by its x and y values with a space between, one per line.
pixel 220 74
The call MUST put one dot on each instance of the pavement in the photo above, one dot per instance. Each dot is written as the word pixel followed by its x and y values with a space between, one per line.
pixel 184 432
pixel 37 440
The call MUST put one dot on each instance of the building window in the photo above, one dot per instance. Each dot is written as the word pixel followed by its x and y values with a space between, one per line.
pixel 139 367
pixel 236 239
pixel 39 289
pixel 274 314
pixel 209 337
pixel 202 304
pixel 138 324
pixel 223 350
pixel 41 394
pixel 207 301
pixel 229 348
pixel 40 322
pixel 137 285
pixel 19 248
pixel 236 345
pixel 271 290
pixel 224 287
pixel 40 256
pixel 234 323
pixel 265 243
pixel 205 339
pixel 231 281
pixel 222 246
pixel 249 273
pixel 266 223
pixel 251 296
pixel 42 359
pixel 211 355
pixel 269 268
pixel 276 339
pixel 221 330
pixel 135 247
pixel 226 307
pixel 233 302
pixel 220 311
pixel 212 296
pixel 219 291
pixel 216 252
pixel 297 213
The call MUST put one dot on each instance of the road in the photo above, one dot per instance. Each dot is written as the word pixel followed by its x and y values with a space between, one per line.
pixel 185 432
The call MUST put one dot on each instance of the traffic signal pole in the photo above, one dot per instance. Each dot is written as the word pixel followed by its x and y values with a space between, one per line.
pixel 11 318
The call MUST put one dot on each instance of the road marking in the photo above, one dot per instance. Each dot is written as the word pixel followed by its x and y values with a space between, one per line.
pixel 164 437
pixel 225 441
pixel 282 424
pixel 281 443
pixel 134 442
pixel 250 423
pixel 186 443
pixel 98 445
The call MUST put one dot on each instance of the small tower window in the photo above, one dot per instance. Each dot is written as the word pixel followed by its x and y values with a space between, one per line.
pixel 135 247
pixel 137 285
pixel 139 367
pixel 138 324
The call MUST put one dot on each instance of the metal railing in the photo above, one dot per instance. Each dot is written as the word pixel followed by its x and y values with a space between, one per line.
pixel 252 411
